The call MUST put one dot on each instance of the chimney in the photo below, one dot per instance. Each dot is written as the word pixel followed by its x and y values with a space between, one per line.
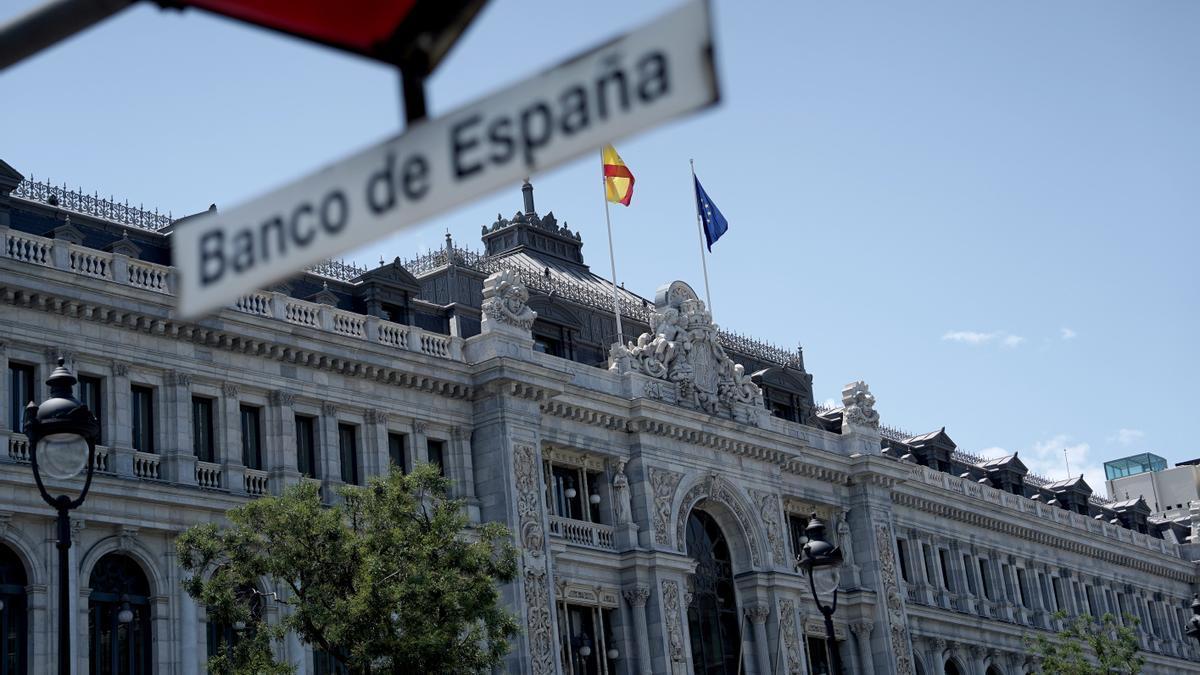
pixel 527 191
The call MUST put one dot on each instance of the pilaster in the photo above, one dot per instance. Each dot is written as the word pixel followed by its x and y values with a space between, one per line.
pixel 179 462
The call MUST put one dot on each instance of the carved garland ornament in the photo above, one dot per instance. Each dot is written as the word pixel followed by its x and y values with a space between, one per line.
pixel 791 645
pixel 670 591
pixel 533 540
pixel 895 605
pixel 768 510
pixel 663 483
pixel 717 489
pixel 505 300
pixel 682 349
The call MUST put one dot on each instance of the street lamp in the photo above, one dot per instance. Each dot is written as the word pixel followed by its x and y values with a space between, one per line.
pixel 62 442
pixel 821 562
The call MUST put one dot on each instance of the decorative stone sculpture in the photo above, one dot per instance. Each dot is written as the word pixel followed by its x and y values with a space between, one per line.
pixel 621 498
pixel 683 349
pixel 859 405
pixel 504 301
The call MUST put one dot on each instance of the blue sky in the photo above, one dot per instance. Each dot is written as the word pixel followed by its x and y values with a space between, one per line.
pixel 987 211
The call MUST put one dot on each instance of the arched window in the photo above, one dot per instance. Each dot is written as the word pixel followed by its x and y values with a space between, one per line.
pixel 712 615
pixel 223 636
pixel 952 668
pixel 14 631
pixel 993 670
pixel 119 636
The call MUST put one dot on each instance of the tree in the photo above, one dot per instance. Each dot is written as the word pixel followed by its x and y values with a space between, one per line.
pixel 389 580
pixel 1086 646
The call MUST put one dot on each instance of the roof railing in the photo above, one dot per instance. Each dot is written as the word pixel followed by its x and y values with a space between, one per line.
pixel 77 201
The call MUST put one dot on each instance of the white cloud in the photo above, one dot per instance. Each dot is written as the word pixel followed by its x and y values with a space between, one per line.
pixel 1068 334
pixel 1011 341
pixel 1128 436
pixel 1046 458
pixel 830 403
pixel 970 337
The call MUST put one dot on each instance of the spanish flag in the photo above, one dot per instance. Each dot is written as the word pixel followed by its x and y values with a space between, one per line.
pixel 618 181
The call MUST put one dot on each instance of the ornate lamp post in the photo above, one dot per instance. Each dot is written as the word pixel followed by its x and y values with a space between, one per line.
pixel 821 562
pixel 62 440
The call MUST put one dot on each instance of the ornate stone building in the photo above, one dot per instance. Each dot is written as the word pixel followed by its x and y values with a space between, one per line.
pixel 658 490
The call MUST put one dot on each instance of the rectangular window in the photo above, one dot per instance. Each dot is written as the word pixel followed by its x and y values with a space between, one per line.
pixel 20 394
pixel 971 585
pixel 566 492
pixel 204 445
pixel 1006 575
pixel 91 394
pixel 1056 583
pixel 306 447
pixel 251 438
pixel 927 559
pixel 1022 585
pixel 984 580
pixel 143 418
pixel 348 452
pixel 435 452
pixel 902 550
pixel 796 526
pixel 944 558
pixel 396 451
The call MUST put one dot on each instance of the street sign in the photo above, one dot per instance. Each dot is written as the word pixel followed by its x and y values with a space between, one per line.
pixel 659 71
pixel 387 30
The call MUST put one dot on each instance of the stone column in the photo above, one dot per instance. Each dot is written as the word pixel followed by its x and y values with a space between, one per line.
pixel 935 655
pixel 179 462
pixel 120 428
pixel 758 613
pixel 330 457
pixel 978 663
pixel 420 438
pixel 229 450
pixel 375 443
pixel 280 441
pixel 462 465
pixel 189 656
pixel 4 392
pixel 862 638
pixel 636 597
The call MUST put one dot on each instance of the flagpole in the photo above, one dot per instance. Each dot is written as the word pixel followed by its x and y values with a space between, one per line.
pixel 612 258
pixel 700 233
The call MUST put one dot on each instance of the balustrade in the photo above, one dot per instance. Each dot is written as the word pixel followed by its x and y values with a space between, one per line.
pixel 255 482
pixel 146 465
pixel 583 533
pixel 18 448
pixel 208 475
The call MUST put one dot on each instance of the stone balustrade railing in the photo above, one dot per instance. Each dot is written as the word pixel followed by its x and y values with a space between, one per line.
pixel 88 262
pixel 991 495
pixel 583 533
pixel 127 271
pixel 255 482
pixel 208 475
pixel 349 324
pixel 102 460
pixel 146 465
pixel 18 448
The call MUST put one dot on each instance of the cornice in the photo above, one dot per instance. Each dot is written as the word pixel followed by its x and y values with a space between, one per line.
pixel 225 338
pixel 1040 536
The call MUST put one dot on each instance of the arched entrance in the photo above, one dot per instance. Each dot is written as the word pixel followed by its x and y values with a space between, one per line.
pixel 952 668
pixel 14 631
pixel 119 636
pixel 712 615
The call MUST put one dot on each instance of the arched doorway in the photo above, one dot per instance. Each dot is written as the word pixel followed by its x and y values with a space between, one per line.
pixel 712 614
pixel 119 637
pixel 14 630
pixel 952 668
pixel 222 636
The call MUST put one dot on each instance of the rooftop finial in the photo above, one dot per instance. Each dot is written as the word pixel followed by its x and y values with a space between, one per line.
pixel 527 192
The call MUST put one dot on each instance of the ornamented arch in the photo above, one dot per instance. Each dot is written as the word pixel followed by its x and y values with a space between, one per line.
pixel 131 547
pixel 730 505
pixel 15 539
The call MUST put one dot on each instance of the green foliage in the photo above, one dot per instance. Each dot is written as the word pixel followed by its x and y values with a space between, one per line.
pixel 1086 646
pixel 389 580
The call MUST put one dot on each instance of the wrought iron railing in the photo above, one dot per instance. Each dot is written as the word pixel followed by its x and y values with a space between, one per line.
pixel 337 269
pixel 77 201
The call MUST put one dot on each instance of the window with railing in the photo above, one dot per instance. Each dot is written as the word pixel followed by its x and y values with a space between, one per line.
pixel 204 445
pixel 944 559
pixel 586 638
pixel 573 492
pixel 435 453
pixel 348 452
pixel 21 383
pixel 306 446
pixel 252 455
pixel 142 403
pixel 91 394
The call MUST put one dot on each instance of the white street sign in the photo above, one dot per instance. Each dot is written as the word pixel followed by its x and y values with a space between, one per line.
pixel 650 75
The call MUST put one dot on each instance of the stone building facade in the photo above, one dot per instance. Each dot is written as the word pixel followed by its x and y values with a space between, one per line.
pixel 657 490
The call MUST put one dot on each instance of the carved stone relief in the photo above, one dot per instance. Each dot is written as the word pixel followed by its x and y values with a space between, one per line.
pixel 229 389
pixel 859 405
pixel 529 510
pixel 720 490
pixel 663 483
pixel 504 300
pixel 683 351
pixel 670 592
pixel 894 603
pixel 791 642
pixel 768 505
pixel 537 604
pixel 283 398
pixel 637 596
pixel 533 540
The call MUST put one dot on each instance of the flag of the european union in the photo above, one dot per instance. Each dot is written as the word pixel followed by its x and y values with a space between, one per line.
pixel 714 223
